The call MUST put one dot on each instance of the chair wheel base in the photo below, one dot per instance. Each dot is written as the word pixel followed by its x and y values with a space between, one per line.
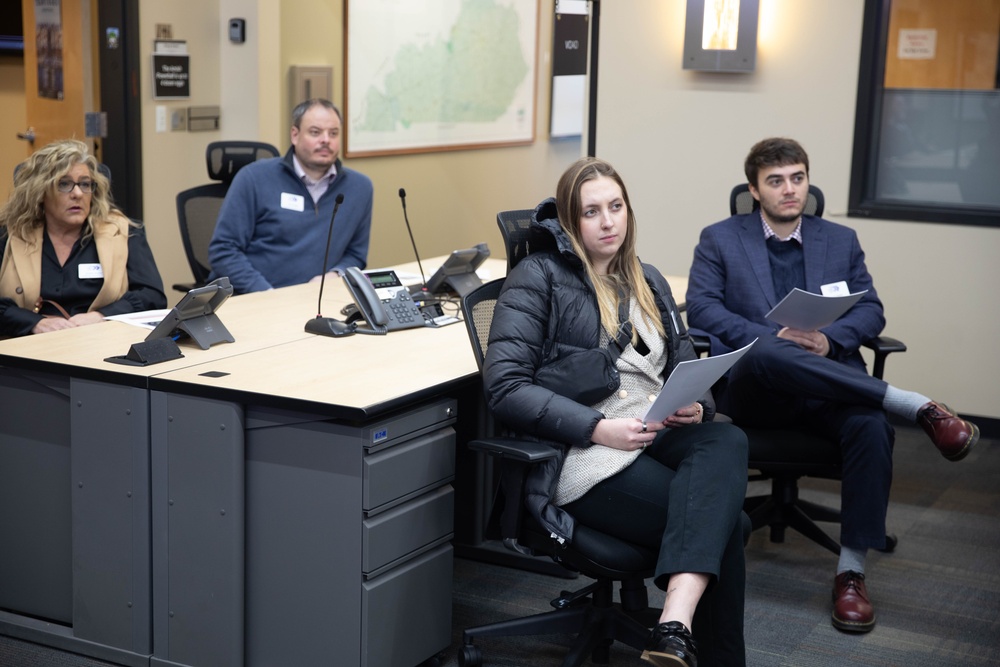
pixel 890 543
pixel 470 656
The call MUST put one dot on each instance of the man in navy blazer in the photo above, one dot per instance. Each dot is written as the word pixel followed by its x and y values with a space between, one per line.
pixel 813 380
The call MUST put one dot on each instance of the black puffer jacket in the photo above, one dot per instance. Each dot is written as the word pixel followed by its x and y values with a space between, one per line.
pixel 547 309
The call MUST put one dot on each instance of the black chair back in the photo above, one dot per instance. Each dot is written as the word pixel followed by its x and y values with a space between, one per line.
pixel 477 309
pixel 197 211
pixel 742 202
pixel 515 226
pixel 225 158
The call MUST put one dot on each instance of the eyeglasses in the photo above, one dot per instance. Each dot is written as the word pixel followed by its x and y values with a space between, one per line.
pixel 86 187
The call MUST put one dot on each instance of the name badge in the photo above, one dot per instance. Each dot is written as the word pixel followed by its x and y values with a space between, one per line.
pixel 293 202
pixel 835 289
pixel 90 271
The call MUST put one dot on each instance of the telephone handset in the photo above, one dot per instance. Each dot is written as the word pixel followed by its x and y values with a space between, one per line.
pixel 382 300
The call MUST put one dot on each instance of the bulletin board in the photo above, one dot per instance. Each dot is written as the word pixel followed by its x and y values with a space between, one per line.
pixel 949 45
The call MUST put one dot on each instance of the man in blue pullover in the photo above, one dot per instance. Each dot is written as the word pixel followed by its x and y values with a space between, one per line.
pixel 273 225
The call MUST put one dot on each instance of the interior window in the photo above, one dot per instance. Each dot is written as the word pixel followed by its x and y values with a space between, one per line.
pixel 927 132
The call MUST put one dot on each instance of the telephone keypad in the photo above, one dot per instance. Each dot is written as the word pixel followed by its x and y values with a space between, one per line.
pixel 403 308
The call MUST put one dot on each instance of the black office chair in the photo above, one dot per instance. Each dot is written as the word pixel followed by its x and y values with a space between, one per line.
pixel 518 239
pixel 784 456
pixel 198 207
pixel 742 202
pixel 591 612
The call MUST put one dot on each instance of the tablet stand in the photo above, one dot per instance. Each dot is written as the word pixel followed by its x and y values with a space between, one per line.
pixel 463 283
pixel 206 330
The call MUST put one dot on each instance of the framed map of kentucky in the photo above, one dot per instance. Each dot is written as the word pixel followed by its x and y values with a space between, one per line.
pixel 436 75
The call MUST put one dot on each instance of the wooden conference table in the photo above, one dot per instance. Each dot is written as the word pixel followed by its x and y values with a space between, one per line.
pixel 283 499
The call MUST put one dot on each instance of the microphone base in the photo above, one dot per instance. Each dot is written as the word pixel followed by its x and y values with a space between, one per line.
pixel 327 326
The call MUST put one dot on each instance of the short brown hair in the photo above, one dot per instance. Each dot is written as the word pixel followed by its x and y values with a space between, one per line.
pixel 773 152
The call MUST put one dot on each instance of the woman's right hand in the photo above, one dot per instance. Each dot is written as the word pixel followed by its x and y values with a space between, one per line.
pixel 47 324
pixel 626 434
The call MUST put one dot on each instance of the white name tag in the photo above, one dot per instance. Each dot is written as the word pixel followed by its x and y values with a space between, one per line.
pixel 90 271
pixel 835 289
pixel 293 202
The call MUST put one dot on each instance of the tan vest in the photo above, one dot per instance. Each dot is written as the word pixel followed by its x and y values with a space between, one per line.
pixel 21 270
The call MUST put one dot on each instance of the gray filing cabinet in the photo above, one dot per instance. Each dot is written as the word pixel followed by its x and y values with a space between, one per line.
pixel 287 538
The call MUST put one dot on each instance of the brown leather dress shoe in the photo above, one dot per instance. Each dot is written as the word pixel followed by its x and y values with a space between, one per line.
pixel 852 612
pixel 954 437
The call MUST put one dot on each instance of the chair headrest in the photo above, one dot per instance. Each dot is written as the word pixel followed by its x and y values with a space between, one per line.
pixel 225 158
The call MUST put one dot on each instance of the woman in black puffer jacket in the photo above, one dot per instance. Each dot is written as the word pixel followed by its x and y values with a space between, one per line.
pixel 677 485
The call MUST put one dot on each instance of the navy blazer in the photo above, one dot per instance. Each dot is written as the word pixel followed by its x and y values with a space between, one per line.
pixel 730 287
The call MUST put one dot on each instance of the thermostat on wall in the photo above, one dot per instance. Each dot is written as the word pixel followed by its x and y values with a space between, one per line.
pixel 237 31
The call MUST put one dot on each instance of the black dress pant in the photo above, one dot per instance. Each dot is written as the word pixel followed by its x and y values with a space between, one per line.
pixel 777 384
pixel 684 496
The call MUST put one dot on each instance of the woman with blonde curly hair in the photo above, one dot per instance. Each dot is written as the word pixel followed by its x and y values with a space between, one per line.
pixel 70 257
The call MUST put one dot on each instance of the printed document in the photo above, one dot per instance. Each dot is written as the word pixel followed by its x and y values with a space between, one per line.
pixel 808 312
pixel 689 380
pixel 147 319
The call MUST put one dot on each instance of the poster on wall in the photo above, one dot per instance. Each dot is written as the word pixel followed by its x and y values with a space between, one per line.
pixel 48 46
pixel 171 70
pixel 569 68
pixel 439 75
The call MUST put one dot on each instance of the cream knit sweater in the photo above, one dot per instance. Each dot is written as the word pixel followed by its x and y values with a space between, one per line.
pixel 641 380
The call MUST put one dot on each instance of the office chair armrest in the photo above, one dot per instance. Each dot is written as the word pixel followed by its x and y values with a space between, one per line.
pixel 516 458
pixel 700 343
pixel 883 346
pixel 518 450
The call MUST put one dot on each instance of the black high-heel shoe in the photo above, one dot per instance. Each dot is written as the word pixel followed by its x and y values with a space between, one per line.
pixel 671 645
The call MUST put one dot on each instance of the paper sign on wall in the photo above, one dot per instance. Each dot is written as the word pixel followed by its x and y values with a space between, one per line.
pixel 917 44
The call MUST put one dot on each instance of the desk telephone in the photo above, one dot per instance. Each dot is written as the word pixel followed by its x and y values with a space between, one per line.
pixel 382 301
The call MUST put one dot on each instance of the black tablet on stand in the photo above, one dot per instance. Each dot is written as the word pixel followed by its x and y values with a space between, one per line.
pixel 458 273
pixel 195 316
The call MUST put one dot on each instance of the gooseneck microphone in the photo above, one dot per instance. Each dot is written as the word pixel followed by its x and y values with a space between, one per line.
pixel 406 219
pixel 327 326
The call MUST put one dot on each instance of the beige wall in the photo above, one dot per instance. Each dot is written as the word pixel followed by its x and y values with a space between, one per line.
pixel 174 161
pixel 12 120
pixel 452 198
pixel 680 138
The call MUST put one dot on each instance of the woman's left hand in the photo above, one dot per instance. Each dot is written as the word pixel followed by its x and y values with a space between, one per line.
pixel 691 414
pixel 83 319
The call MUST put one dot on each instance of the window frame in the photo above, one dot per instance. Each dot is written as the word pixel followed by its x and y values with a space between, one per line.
pixel 862 201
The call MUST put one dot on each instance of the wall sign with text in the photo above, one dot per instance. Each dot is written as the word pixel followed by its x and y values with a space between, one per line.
pixel 171 70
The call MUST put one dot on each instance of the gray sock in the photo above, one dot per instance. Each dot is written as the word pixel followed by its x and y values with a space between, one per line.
pixel 904 403
pixel 852 559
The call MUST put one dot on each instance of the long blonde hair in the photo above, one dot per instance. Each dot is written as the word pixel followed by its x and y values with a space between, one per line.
pixel 38 177
pixel 624 272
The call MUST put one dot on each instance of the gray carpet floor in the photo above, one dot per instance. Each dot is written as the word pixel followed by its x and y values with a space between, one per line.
pixel 937 596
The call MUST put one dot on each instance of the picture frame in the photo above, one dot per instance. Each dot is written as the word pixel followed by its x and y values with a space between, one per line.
pixel 439 75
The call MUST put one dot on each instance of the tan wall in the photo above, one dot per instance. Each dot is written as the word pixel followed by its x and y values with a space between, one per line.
pixel 452 198
pixel 12 120
pixel 680 138
pixel 174 161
